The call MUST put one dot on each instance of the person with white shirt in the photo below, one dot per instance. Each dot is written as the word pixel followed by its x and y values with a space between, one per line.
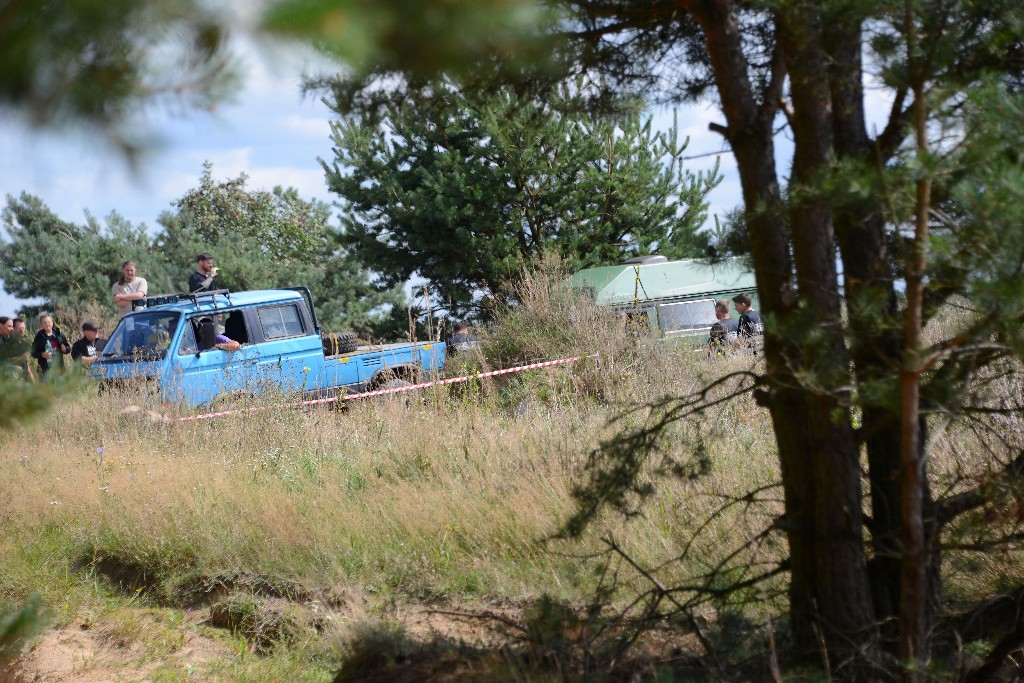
pixel 128 288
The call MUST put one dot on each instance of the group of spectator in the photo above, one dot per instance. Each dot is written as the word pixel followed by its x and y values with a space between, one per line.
pixel 49 346
pixel 13 344
pixel 727 333
pixel 131 287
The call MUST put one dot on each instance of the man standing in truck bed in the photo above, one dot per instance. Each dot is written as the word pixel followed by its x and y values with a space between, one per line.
pixel 205 277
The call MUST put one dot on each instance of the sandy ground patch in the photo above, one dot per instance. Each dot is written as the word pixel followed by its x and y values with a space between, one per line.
pixel 85 655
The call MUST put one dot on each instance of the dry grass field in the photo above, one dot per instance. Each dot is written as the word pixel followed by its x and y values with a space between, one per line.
pixel 288 545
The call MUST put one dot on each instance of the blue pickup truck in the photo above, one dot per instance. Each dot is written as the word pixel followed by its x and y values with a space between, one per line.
pixel 173 344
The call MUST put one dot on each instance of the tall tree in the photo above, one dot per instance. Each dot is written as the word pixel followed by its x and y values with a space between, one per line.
pixel 802 65
pixel 464 187
pixel 60 262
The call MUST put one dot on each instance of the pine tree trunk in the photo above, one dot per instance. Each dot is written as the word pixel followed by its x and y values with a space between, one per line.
pixel 871 304
pixel 843 590
pixel 817 451
pixel 876 344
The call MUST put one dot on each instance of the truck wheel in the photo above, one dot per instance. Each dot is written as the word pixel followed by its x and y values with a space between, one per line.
pixel 405 398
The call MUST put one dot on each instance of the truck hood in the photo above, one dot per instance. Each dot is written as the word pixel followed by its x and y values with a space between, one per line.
pixel 123 368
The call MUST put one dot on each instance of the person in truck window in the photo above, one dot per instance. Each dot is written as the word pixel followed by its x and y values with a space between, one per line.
pixel 223 342
pixel 205 277
pixel 128 288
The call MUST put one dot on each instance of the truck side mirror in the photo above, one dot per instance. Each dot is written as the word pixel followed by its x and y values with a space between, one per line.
pixel 208 333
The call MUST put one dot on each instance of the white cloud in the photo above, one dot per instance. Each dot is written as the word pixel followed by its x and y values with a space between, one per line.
pixel 309 182
pixel 311 127
pixel 226 162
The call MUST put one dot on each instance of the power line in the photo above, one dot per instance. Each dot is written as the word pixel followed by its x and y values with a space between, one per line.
pixel 704 155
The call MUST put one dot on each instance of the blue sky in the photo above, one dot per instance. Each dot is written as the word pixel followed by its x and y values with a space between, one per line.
pixel 270 131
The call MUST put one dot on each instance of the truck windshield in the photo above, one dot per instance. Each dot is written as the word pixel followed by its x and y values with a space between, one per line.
pixel 145 336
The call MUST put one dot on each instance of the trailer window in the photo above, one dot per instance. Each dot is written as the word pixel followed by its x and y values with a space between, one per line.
pixel 692 315
pixel 280 321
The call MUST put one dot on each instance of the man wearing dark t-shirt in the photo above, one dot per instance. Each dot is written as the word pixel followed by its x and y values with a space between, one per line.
pixel 205 277
pixel 87 349
pixel 750 320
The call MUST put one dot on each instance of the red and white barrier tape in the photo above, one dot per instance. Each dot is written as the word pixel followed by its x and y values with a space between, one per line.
pixel 383 392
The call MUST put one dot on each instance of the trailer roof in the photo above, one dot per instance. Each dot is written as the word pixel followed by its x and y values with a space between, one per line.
pixel 619 285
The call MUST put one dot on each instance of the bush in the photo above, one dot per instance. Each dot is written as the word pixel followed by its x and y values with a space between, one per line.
pixel 552 320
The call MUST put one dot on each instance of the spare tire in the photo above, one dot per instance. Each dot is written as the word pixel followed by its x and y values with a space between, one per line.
pixel 339 343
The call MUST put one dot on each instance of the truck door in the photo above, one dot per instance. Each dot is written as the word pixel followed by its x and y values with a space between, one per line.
pixel 205 374
pixel 290 352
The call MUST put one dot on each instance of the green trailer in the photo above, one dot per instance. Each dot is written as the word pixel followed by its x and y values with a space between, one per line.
pixel 672 298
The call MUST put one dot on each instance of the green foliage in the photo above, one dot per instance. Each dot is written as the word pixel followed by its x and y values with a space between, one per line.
pixel 425 37
pixel 465 187
pixel 729 236
pixel 99 64
pixel 552 320
pixel 285 228
pixel 16 626
pixel 977 251
pixel 248 616
pixel 46 257
pixel 21 400
pixel 259 239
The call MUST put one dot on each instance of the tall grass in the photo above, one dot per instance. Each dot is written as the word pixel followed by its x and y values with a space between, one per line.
pixel 451 498
pixel 443 496
pixel 454 494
